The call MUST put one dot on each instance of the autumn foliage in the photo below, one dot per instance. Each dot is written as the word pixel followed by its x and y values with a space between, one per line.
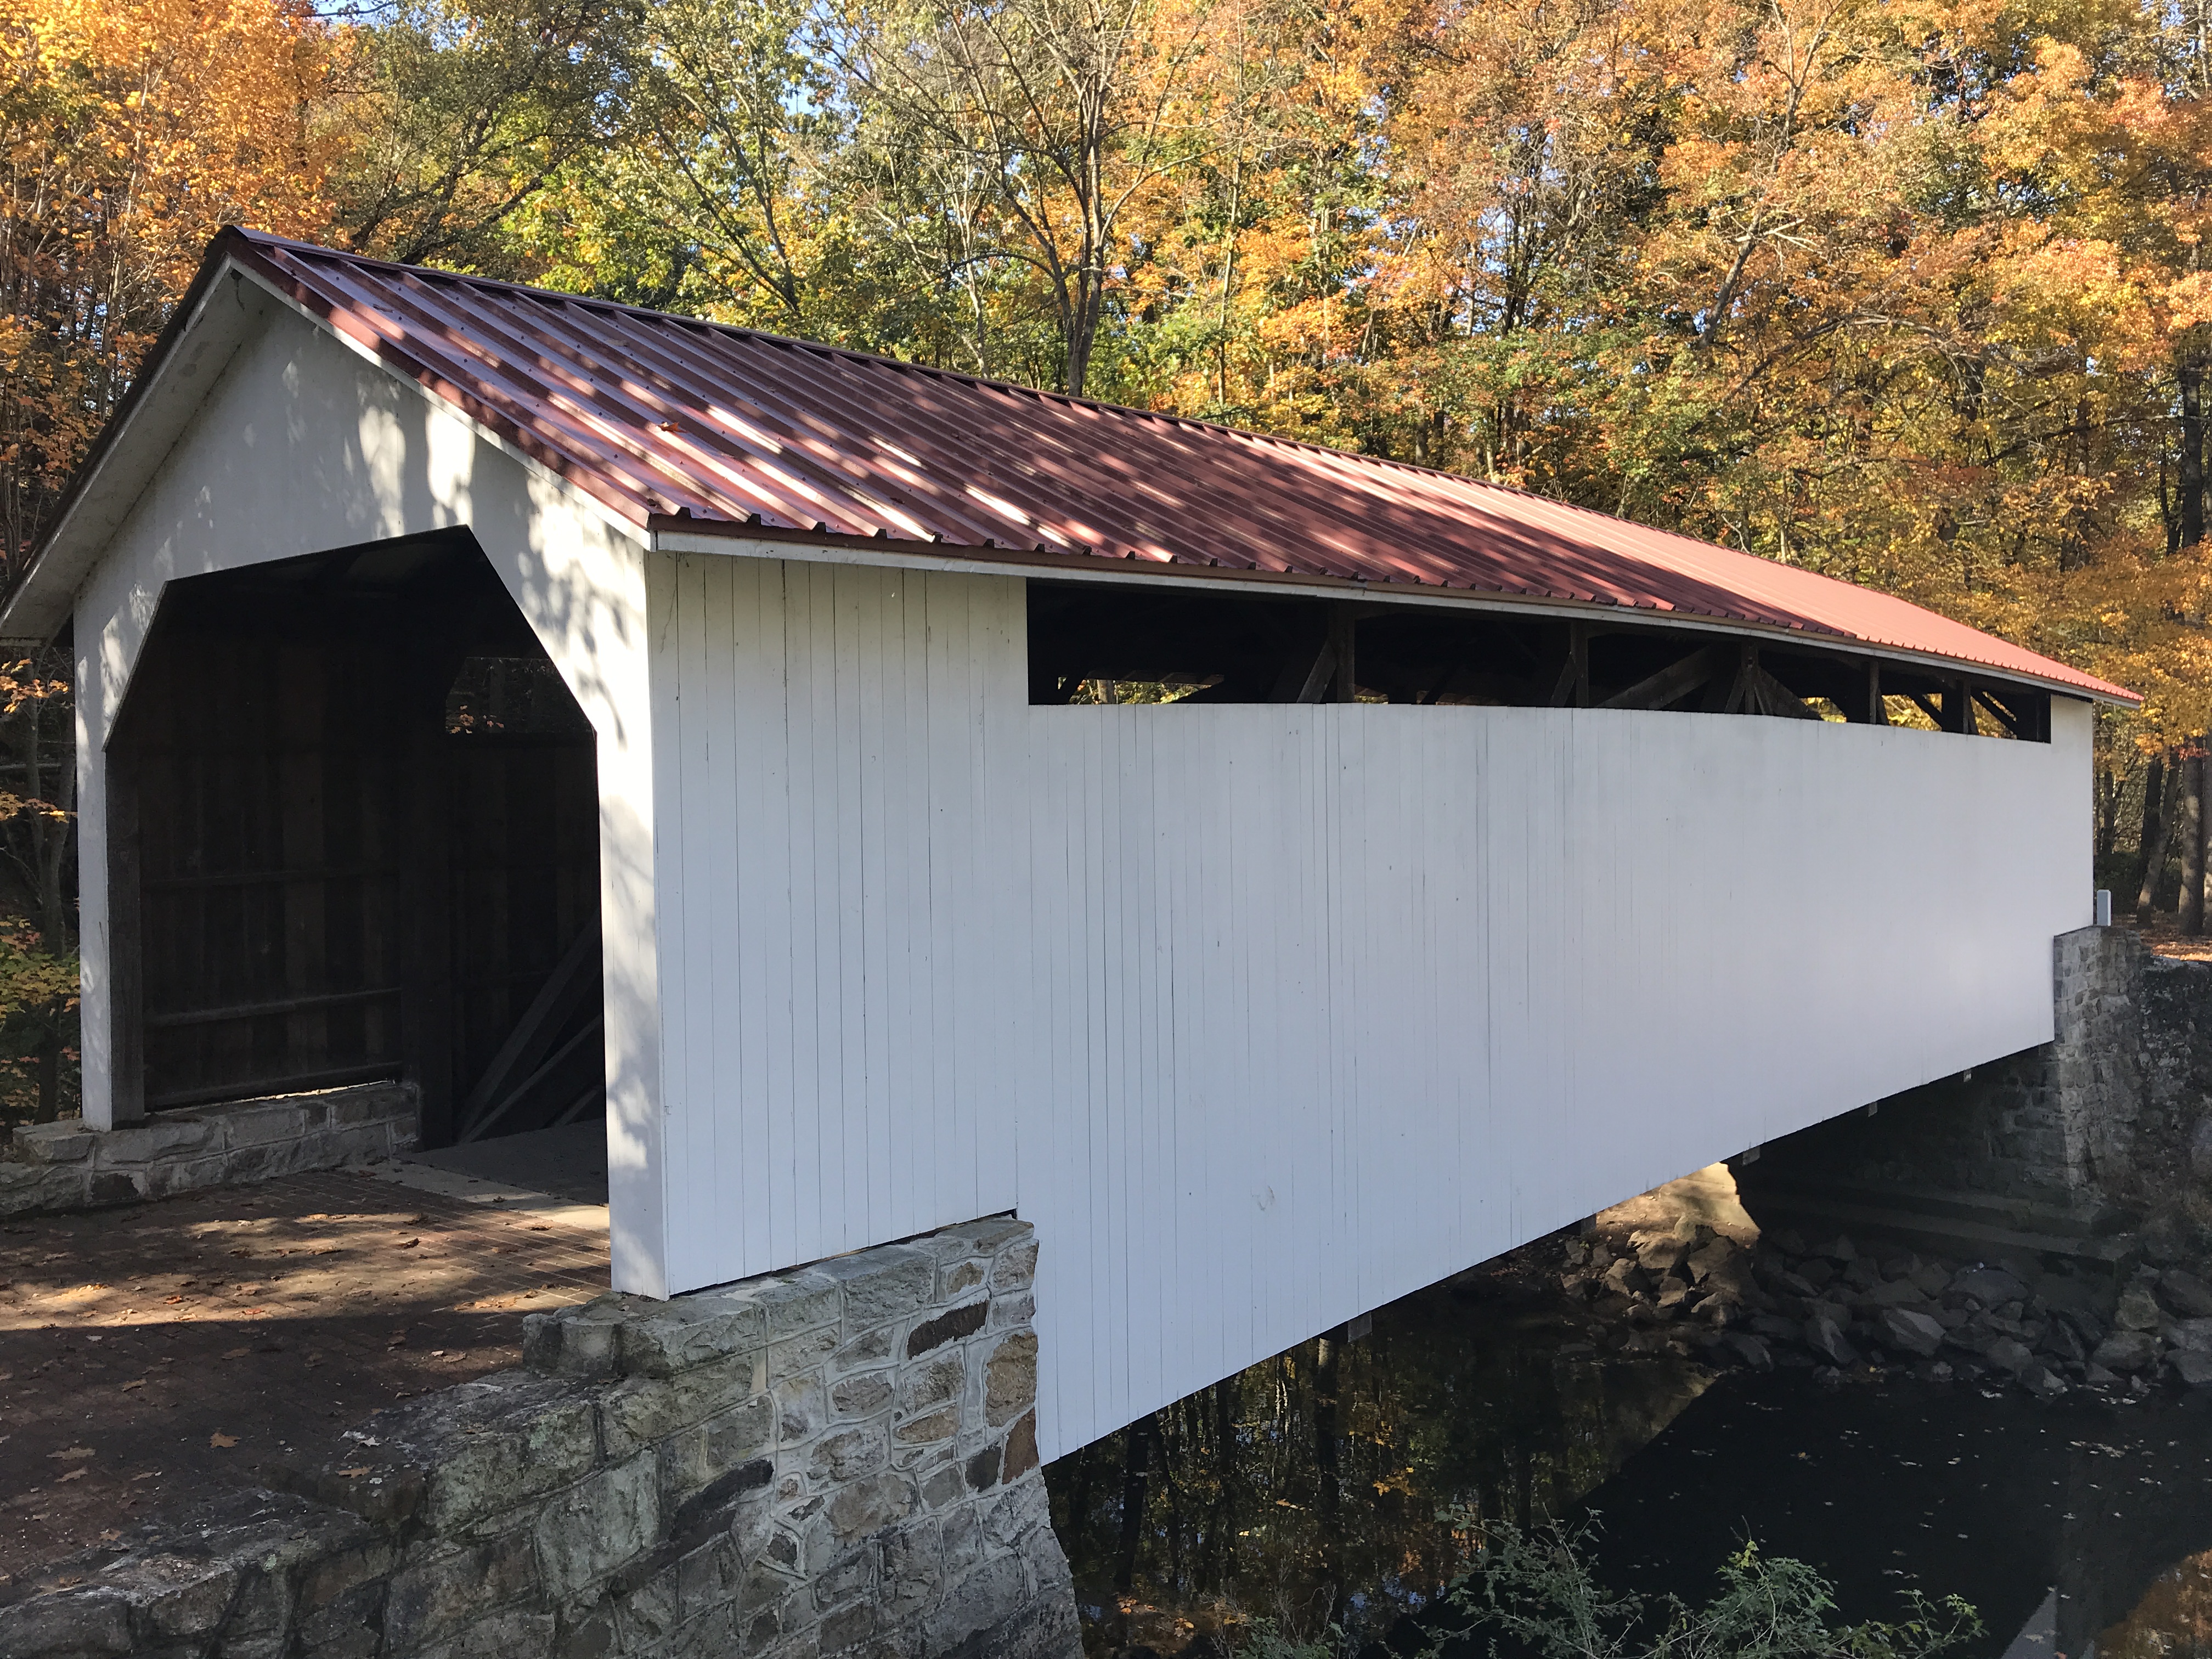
pixel 1911 292
pixel 129 134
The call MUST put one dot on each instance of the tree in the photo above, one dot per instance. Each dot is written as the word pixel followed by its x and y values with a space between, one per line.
pixel 456 116
pixel 130 130
pixel 1052 116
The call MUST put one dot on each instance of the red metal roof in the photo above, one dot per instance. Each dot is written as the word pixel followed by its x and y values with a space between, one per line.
pixel 656 415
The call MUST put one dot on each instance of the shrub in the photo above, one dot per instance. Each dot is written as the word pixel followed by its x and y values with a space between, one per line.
pixel 1536 1593
pixel 38 1028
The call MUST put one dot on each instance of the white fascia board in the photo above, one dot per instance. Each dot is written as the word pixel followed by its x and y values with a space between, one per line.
pixel 892 556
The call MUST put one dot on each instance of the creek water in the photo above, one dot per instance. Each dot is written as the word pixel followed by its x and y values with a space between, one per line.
pixel 1307 1490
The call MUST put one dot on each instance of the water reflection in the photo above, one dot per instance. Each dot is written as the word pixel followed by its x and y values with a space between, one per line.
pixel 1307 1490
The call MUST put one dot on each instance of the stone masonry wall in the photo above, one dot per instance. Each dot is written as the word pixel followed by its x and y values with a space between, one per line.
pixel 2174 1129
pixel 67 1166
pixel 838 1461
pixel 2095 1085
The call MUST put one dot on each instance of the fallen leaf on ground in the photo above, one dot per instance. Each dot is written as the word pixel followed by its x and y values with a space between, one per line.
pixel 71 1454
pixel 355 1475
pixel 140 1384
pixel 409 1244
pixel 74 1474
pixel 219 1438
pixel 236 1354
pixel 110 1536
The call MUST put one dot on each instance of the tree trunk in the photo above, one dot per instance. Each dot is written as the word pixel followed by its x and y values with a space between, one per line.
pixel 2152 843
pixel 49 837
pixel 1139 1442
pixel 1221 1531
pixel 2108 812
pixel 2203 889
pixel 1326 1472
pixel 2191 917
pixel 2190 473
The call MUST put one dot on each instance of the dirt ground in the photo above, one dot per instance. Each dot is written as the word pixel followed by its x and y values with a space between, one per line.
pixel 2160 934
pixel 148 1353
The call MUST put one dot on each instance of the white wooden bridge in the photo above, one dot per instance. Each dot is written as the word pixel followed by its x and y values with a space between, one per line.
pixel 1502 861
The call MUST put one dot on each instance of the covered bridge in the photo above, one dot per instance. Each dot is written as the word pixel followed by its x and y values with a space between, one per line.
pixel 570 708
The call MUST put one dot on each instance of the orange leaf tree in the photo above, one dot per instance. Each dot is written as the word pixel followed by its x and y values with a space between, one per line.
pixel 130 130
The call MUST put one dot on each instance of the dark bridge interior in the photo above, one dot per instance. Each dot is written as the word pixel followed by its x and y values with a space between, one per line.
pixel 1094 642
pixel 354 835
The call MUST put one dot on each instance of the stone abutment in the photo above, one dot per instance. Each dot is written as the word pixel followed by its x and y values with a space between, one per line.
pixel 840 1460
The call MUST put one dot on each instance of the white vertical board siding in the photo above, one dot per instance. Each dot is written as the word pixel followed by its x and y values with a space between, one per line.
pixel 834 959
pixel 1441 980
pixel 1266 1015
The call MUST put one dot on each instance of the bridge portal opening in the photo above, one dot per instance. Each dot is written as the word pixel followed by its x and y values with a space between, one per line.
pixel 353 835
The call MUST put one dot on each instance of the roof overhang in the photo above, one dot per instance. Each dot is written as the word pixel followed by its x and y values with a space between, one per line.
pixel 671 533
pixel 232 295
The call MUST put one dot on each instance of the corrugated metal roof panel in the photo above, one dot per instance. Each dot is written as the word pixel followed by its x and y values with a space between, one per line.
pixel 657 415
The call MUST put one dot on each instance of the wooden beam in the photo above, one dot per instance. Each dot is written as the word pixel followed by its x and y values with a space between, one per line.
pixel 250 1085
pixel 1305 680
pixel 1877 708
pixel 1773 697
pixel 1672 682
pixel 573 978
pixel 1957 709
pixel 1742 686
pixel 1571 689
pixel 1344 648
pixel 307 1003
pixel 485 1122
pixel 2004 716
pixel 1920 701
pixel 2024 713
